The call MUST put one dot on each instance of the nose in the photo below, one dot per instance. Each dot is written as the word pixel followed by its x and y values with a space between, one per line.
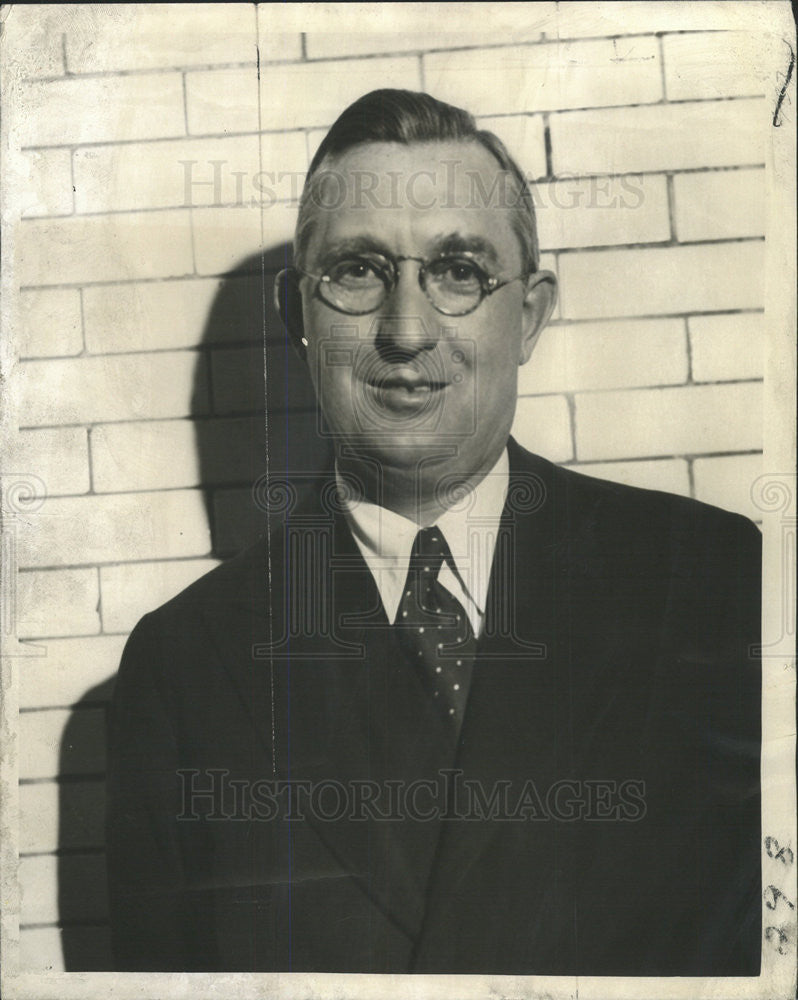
pixel 406 323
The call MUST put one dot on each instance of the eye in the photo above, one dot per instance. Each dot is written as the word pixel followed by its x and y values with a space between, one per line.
pixel 461 271
pixel 457 273
pixel 354 271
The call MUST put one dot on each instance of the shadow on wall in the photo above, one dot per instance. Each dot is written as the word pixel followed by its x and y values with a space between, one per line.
pixel 82 903
pixel 233 408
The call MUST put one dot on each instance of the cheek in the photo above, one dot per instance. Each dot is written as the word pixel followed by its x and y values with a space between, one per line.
pixel 333 384
pixel 325 373
pixel 328 378
pixel 498 349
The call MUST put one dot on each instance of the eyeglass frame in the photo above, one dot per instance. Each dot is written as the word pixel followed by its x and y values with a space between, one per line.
pixel 487 283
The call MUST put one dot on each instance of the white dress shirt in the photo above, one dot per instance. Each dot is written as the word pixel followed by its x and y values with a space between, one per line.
pixel 386 538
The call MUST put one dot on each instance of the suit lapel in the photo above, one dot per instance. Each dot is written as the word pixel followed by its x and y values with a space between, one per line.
pixel 332 702
pixel 516 727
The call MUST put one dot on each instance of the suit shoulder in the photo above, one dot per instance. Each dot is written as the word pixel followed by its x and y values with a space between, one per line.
pixel 642 505
pixel 666 532
pixel 632 517
pixel 231 581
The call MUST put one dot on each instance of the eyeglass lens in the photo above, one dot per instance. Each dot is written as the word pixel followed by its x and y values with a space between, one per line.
pixel 359 285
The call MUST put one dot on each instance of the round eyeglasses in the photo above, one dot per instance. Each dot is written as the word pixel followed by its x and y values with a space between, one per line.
pixel 358 284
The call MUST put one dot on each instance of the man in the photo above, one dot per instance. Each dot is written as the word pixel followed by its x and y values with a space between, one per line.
pixel 466 711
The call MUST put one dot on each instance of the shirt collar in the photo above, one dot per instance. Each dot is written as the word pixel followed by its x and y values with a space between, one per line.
pixel 385 540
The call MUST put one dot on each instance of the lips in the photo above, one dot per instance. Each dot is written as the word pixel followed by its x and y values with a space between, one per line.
pixel 407 379
pixel 404 390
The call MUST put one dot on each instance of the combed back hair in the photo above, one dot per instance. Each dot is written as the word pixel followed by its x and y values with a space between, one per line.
pixel 406 117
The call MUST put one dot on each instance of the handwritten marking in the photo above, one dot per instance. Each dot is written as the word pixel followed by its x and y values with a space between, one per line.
pixel 776 119
pixel 783 854
pixel 775 895
pixel 781 935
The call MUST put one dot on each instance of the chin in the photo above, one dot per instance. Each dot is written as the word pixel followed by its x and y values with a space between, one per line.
pixel 403 452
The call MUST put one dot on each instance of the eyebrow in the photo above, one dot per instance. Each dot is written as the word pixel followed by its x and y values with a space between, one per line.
pixel 460 243
pixel 440 245
pixel 354 244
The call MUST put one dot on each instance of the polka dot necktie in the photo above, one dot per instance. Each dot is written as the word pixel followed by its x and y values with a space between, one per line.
pixel 434 629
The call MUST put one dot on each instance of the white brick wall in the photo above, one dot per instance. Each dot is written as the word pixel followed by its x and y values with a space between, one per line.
pixel 727 346
pixel 67 668
pixel 130 590
pixel 50 323
pixel 665 137
pixel 155 36
pixel 59 602
pixel 607 355
pixel 224 236
pixel 222 100
pixel 707 65
pixel 685 420
pixel 542 425
pixel 59 454
pixel 352 43
pixel 725 480
pixel 47 185
pixel 648 142
pixel 161 174
pixel 547 77
pixel 109 387
pixel 146 317
pixel 41 752
pixel 334 84
pixel 96 248
pixel 39 876
pixel 101 109
pixel 710 277
pixel 596 211
pixel 719 206
pixel 104 529
pixel 40 831
pixel 669 474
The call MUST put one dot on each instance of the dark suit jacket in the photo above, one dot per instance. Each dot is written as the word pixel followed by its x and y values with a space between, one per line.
pixel 614 710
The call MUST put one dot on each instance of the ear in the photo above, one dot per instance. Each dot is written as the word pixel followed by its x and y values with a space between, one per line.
pixel 539 301
pixel 288 301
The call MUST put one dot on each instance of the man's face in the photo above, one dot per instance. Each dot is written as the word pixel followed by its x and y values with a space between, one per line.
pixel 406 386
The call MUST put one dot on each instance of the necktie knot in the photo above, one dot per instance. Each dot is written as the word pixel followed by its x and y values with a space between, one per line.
pixel 429 551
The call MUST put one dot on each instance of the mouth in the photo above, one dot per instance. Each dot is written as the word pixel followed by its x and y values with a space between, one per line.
pixel 409 379
pixel 404 388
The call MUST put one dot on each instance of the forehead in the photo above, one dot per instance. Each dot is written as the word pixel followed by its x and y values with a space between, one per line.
pixel 407 197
